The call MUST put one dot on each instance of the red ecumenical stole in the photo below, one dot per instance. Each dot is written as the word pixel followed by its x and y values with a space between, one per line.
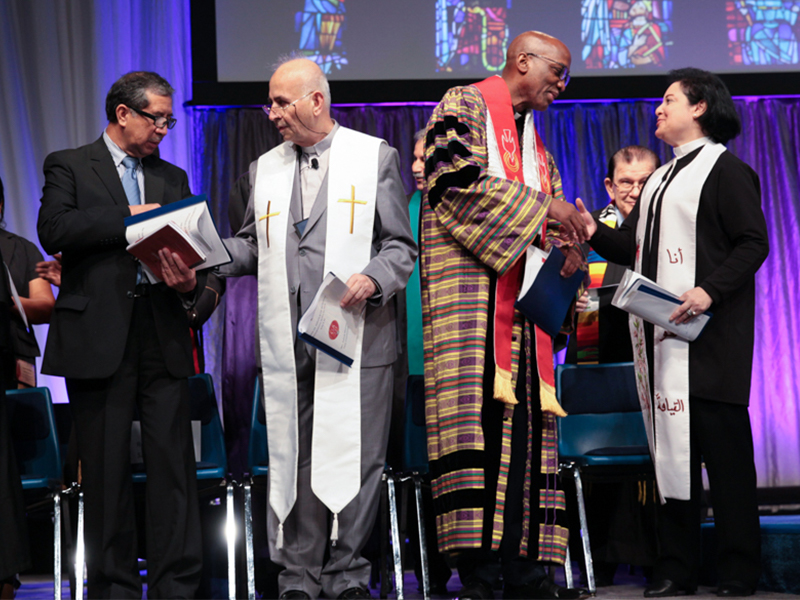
pixel 498 101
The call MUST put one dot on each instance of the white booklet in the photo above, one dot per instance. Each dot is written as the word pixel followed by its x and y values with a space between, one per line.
pixel 644 298
pixel 329 327
pixel 192 217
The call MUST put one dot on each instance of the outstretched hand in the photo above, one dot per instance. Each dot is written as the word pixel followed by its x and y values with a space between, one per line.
pixel 50 270
pixel 588 219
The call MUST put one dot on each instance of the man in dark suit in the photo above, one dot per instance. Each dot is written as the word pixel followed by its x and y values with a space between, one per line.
pixel 124 345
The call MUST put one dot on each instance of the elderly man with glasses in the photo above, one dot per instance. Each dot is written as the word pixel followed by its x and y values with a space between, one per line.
pixel 493 190
pixel 329 199
pixel 124 345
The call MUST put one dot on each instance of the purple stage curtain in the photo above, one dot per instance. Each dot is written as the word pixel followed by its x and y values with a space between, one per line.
pixel 581 136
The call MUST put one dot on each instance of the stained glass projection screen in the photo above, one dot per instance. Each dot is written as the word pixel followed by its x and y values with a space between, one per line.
pixel 363 40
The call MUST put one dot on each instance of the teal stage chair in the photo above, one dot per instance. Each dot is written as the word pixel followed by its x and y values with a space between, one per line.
pixel 35 439
pixel 603 435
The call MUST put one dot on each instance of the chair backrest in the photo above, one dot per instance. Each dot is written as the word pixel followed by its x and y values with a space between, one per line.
pixel 33 431
pixel 604 417
pixel 257 453
pixel 605 388
pixel 204 408
pixel 415 441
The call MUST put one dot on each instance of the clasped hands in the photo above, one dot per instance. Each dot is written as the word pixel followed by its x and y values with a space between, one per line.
pixel 573 230
pixel 694 302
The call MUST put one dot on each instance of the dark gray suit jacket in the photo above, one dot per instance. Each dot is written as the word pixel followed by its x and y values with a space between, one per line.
pixel 392 257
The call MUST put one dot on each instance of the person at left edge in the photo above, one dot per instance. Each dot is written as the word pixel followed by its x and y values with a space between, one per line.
pixel 124 345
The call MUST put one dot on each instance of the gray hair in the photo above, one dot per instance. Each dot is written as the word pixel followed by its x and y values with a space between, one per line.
pixel 317 82
pixel 420 135
pixel 628 154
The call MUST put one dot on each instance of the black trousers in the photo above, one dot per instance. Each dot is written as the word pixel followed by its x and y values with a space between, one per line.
pixel 720 436
pixel 103 410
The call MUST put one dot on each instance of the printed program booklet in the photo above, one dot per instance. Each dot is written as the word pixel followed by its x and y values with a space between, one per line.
pixel 644 298
pixel 329 327
pixel 186 228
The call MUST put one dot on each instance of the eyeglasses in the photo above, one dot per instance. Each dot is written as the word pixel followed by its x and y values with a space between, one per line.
pixel 627 186
pixel 159 122
pixel 281 110
pixel 563 71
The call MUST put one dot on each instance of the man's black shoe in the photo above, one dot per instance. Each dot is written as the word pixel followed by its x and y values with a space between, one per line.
pixel 665 588
pixel 542 588
pixel 295 595
pixel 354 593
pixel 734 589
pixel 475 589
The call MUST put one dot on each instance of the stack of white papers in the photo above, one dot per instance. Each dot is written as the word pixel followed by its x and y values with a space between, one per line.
pixel 644 298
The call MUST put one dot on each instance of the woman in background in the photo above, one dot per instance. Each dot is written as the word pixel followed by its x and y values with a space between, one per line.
pixel 35 295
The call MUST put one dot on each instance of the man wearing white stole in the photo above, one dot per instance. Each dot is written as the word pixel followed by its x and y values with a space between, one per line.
pixel 329 199
pixel 699 231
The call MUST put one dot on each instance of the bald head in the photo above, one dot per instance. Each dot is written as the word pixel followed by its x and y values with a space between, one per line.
pixel 300 98
pixel 305 73
pixel 534 66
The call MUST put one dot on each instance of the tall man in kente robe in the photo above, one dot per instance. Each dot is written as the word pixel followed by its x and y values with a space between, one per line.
pixel 490 398
pixel 329 199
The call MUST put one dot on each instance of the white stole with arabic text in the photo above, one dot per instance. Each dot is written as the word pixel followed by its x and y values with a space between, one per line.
pixel 666 414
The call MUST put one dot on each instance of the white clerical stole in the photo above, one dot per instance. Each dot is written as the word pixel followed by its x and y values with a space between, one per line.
pixel 336 441
pixel 666 411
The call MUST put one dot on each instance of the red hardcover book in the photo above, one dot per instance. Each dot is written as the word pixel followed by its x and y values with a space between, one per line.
pixel 172 237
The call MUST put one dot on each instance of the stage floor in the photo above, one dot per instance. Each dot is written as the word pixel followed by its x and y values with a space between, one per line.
pixel 41 588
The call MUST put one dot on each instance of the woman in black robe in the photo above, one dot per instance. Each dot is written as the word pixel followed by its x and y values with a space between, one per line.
pixel 697 115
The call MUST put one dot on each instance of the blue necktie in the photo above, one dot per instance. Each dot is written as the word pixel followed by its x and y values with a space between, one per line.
pixel 130 183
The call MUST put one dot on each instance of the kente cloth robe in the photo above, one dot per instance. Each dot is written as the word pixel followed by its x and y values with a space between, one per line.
pixel 474 227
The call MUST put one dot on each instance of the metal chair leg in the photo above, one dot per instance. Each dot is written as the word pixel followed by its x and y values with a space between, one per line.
pixel 248 536
pixel 568 569
pixel 79 550
pixel 587 550
pixel 57 545
pixel 423 546
pixel 230 536
pixel 385 576
pixel 396 542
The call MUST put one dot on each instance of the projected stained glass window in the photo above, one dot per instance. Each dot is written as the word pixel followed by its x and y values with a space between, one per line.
pixel 762 32
pixel 621 34
pixel 320 25
pixel 471 33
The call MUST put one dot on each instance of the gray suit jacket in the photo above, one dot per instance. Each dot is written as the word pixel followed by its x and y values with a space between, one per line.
pixel 393 255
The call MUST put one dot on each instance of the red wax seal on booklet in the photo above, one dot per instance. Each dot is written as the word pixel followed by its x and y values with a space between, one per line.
pixel 333 330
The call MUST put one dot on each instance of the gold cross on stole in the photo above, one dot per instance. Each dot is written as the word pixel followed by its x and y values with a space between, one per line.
pixel 267 216
pixel 352 202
